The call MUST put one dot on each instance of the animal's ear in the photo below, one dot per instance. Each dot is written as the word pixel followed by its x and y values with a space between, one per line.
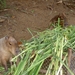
pixel 6 37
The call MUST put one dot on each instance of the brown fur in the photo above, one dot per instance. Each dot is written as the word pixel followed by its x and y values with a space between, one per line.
pixel 63 19
pixel 8 49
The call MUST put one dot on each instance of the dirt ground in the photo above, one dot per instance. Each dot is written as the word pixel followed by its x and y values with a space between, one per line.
pixel 32 14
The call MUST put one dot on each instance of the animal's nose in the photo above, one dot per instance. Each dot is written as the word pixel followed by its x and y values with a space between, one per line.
pixel 17 51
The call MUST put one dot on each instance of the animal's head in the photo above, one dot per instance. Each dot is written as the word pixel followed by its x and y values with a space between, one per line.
pixel 12 45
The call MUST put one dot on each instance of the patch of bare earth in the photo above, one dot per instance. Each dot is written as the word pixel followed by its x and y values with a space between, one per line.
pixel 32 14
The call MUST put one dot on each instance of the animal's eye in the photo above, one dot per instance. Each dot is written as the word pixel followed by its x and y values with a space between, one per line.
pixel 10 44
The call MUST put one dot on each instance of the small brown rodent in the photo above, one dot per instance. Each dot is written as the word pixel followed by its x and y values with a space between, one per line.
pixel 63 19
pixel 8 49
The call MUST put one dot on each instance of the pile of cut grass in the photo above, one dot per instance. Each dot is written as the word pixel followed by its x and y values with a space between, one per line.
pixel 49 43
